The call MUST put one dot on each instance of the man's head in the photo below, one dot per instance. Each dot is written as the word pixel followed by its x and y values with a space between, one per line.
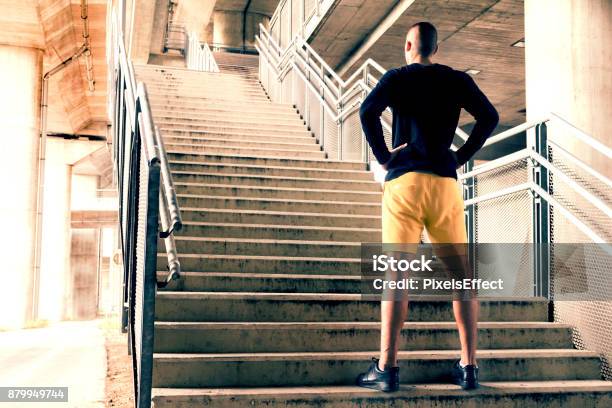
pixel 421 42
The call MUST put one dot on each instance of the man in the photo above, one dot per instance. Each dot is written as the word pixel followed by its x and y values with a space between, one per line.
pixel 420 190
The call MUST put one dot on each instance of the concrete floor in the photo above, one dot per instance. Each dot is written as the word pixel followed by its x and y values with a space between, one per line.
pixel 67 354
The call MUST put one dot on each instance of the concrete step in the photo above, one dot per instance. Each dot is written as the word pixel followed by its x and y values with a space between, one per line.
pixel 245 61
pixel 229 98
pixel 221 107
pixel 186 148
pixel 283 232
pixel 292 125
pixel 325 220
pixel 260 129
pixel 184 74
pixel 288 117
pixel 157 86
pixel 222 92
pixel 238 142
pixel 262 263
pixel 324 307
pixel 162 85
pixel 246 114
pixel 271 171
pixel 279 337
pixel 238 179
pixel 300 192
pixel 523 394
pixel 188 76
pixel 259 160
pixel 200 80
pixel 277 204
pixel 263 282
pixel 193 136
pixel 341 368
pixel 267 247
pixel 200 83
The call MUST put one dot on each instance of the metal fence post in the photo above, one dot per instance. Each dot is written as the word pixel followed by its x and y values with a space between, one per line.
pixel 293 95
pixel 364 144
pixel 340 123
pixel 302 17
pixel 541 214
pixel 469 192
pixel 322 110
pixel 469 187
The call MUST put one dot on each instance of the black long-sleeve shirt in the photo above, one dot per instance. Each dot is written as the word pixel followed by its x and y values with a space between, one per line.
pixel 426 101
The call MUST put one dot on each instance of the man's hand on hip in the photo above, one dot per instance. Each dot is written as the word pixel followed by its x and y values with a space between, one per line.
pixel 394 153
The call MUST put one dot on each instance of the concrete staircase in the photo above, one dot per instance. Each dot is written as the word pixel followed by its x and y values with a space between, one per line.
pixel 268 311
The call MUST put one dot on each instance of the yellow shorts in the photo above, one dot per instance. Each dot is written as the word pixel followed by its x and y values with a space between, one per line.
pixel 415 201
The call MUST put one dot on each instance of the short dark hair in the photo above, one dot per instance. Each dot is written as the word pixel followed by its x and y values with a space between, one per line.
pixel 428 36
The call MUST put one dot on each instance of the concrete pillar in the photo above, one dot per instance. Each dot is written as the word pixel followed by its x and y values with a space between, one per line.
pixel 20 86
pixel 568 61
pixel 228 28
pixel 139 26
pixel 55 262
pixel 84 269
pixel 159 27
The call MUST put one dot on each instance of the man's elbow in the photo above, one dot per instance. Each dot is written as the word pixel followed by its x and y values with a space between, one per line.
pixel 494 117
pixel 489 119
pixel 364 113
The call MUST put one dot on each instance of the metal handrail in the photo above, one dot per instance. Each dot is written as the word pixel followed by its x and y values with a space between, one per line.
pixel 140 163
pixel 528 153
pixel 153 140
pixel 582 136
pixel 198 55
pixel 575 160
pixel 283 65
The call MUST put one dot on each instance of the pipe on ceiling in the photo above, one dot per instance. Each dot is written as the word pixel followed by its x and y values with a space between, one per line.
pixel 88 59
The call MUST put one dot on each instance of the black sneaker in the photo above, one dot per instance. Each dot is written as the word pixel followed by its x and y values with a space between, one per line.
pixel 387 380
pixel 466 377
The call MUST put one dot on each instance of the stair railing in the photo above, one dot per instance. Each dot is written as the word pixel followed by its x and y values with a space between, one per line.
pixel 198 55
pixel 328 104
pixel 146 198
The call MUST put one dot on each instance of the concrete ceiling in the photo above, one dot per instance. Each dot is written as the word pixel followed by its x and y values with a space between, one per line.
pixel 55 27
pixel 473 34
pixel 73 108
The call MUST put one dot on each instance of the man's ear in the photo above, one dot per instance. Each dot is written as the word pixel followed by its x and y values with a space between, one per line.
pixel 408 46
pixel 435 50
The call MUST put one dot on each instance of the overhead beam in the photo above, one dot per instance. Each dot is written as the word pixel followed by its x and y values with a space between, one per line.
pixel 244 22
pixel 371 39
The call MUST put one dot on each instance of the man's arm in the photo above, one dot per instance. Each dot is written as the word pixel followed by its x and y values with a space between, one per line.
pixel 372 107
pixel 477 104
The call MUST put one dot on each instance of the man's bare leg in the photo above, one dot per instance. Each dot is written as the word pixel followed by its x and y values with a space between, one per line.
pixel 466 316
pixel 393 315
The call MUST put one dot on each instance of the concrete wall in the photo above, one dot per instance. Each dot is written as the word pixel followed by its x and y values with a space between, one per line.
pixel 228 26
pixel 569 69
